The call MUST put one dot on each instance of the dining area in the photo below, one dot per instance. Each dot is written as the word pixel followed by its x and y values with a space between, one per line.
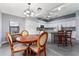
pixel 38 35
pixel 31 44
pixel 37 44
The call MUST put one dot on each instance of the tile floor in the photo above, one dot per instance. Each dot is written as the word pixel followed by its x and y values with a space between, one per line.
pixel 52 50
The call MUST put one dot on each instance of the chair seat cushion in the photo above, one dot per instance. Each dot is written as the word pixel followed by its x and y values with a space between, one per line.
pixel 35 48
pixel 20 48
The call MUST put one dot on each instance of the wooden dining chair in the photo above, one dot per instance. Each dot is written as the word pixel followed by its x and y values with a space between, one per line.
pixel 41 44
pixel 38 34
pixel 59 37
pixel 55 37
pixel 69 36
pixel 24 33
pixel 13 48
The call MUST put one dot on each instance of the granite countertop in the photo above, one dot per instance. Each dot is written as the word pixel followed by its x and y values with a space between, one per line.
pixel 50 31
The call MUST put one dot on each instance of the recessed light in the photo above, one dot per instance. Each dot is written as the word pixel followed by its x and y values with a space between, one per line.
pixel 48 16
pixel 59 8
pixel 51 13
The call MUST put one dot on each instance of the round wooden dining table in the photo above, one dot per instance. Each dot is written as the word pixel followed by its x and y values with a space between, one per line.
pixel 27 40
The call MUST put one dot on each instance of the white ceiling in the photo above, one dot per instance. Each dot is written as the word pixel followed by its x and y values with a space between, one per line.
pixel 47 8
